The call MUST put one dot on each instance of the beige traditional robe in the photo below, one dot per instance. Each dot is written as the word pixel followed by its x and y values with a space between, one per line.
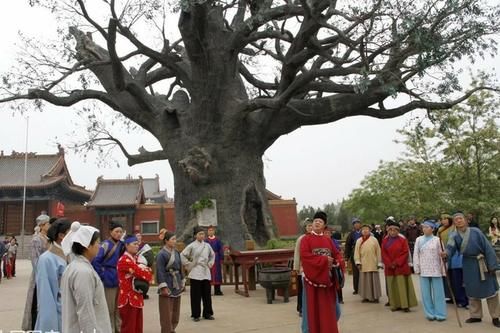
pixel 368 255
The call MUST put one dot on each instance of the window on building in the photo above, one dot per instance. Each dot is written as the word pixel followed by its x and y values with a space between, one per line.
pixel 150 227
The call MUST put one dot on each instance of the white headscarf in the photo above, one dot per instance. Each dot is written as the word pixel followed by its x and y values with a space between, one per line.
pixel 81 234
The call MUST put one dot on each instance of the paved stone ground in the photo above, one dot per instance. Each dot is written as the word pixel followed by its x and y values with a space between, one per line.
pixel 237 314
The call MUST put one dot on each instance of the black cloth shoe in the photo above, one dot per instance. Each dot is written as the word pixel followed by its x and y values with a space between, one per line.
pixel 209 318
pixel 496 322
pixel 406 310
pixel 387 304
pixel 196 319
pixel 219 293
pixel 365 301
pixel 473 320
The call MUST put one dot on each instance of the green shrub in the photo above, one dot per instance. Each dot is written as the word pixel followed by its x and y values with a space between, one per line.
pixel 280 244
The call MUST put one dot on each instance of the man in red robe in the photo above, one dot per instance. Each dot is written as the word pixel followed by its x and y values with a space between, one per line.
pixel 319 256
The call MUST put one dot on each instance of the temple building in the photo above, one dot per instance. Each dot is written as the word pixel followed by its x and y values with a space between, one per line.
pixel 48 183
pixel 135 203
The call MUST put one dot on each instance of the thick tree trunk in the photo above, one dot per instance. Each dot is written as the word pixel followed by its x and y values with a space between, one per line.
pixel 234 178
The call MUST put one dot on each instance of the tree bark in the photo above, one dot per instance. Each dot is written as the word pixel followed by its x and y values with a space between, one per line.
pixel 233 176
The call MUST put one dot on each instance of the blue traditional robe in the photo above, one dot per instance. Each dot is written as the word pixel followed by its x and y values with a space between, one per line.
pixel 216 270
pixel 49 270
pixel 471 244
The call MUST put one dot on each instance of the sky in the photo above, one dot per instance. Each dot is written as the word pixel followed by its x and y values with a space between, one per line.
pixel 314 164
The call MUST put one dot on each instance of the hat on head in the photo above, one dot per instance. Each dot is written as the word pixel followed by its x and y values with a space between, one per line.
pixel 78 233
pixel 366 226
pixel 320 215
pixel 392 223
pixel 355 220
pixel 390 219
pixel 429 223
pixel 113 225
pixel 167 235
pixel 196 230
pixel 42 219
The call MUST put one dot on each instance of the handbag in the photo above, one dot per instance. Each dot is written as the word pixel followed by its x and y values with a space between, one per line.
pixel 140 286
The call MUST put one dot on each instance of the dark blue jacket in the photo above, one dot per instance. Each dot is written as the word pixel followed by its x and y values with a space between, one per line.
pixel 107 268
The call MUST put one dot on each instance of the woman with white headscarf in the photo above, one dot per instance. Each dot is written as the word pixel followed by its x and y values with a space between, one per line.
pixel 83 303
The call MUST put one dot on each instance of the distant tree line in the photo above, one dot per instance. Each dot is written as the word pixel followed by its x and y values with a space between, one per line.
pixel 452 162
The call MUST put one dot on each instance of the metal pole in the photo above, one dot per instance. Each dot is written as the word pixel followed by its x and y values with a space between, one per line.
pixel 24 188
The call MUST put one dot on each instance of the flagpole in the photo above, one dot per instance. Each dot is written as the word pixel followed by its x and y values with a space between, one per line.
pixel 24 188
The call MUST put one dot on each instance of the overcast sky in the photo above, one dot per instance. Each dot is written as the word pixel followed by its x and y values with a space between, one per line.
pixel 315 164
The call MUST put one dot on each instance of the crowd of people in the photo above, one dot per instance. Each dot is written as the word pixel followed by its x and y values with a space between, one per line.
pixel 454 260
pixel 8 254
pixel 80 284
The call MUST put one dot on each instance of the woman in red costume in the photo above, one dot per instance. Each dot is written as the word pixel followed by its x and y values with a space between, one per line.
pixel 130 301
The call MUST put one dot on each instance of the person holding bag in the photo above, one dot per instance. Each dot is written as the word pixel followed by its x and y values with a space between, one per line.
pixel 198 258
pixel 171 283
pixel 130 300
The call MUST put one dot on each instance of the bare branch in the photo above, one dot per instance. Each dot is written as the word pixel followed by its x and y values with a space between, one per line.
pixel 116 65
pixel 74 97
pixel 90 20
pixel 383 113
pixel 254 81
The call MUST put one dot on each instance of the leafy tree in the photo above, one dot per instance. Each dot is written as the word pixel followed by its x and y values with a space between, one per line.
pixel 306 212
pixel 238 74
pixel 451 163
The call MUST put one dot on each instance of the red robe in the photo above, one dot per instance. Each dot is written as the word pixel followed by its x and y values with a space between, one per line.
pixel 319 284
pixel 130 302
pixel 395 252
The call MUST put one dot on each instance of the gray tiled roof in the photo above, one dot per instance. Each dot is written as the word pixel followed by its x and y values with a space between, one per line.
pixel 40 170
pixel 121 192
pixel 151 187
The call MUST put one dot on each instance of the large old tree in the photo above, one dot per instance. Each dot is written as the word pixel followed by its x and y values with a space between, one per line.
pixel 238 74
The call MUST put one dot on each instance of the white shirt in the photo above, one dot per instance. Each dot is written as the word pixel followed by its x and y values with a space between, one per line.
pixel 199 257
pixel 427 258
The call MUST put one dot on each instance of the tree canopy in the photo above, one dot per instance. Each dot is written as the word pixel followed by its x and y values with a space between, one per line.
pixel 320 54
pixel 451 164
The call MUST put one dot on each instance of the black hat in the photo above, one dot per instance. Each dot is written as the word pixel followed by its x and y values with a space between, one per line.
pixel 196 230
pixel 391 223
pixel 167 235
pixel 113 225
pixel 320 215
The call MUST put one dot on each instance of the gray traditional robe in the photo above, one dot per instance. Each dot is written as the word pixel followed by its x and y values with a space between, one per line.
pixel 83 303
pixel 39 244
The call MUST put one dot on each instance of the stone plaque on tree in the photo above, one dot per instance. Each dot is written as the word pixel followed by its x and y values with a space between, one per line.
pixel 207 216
